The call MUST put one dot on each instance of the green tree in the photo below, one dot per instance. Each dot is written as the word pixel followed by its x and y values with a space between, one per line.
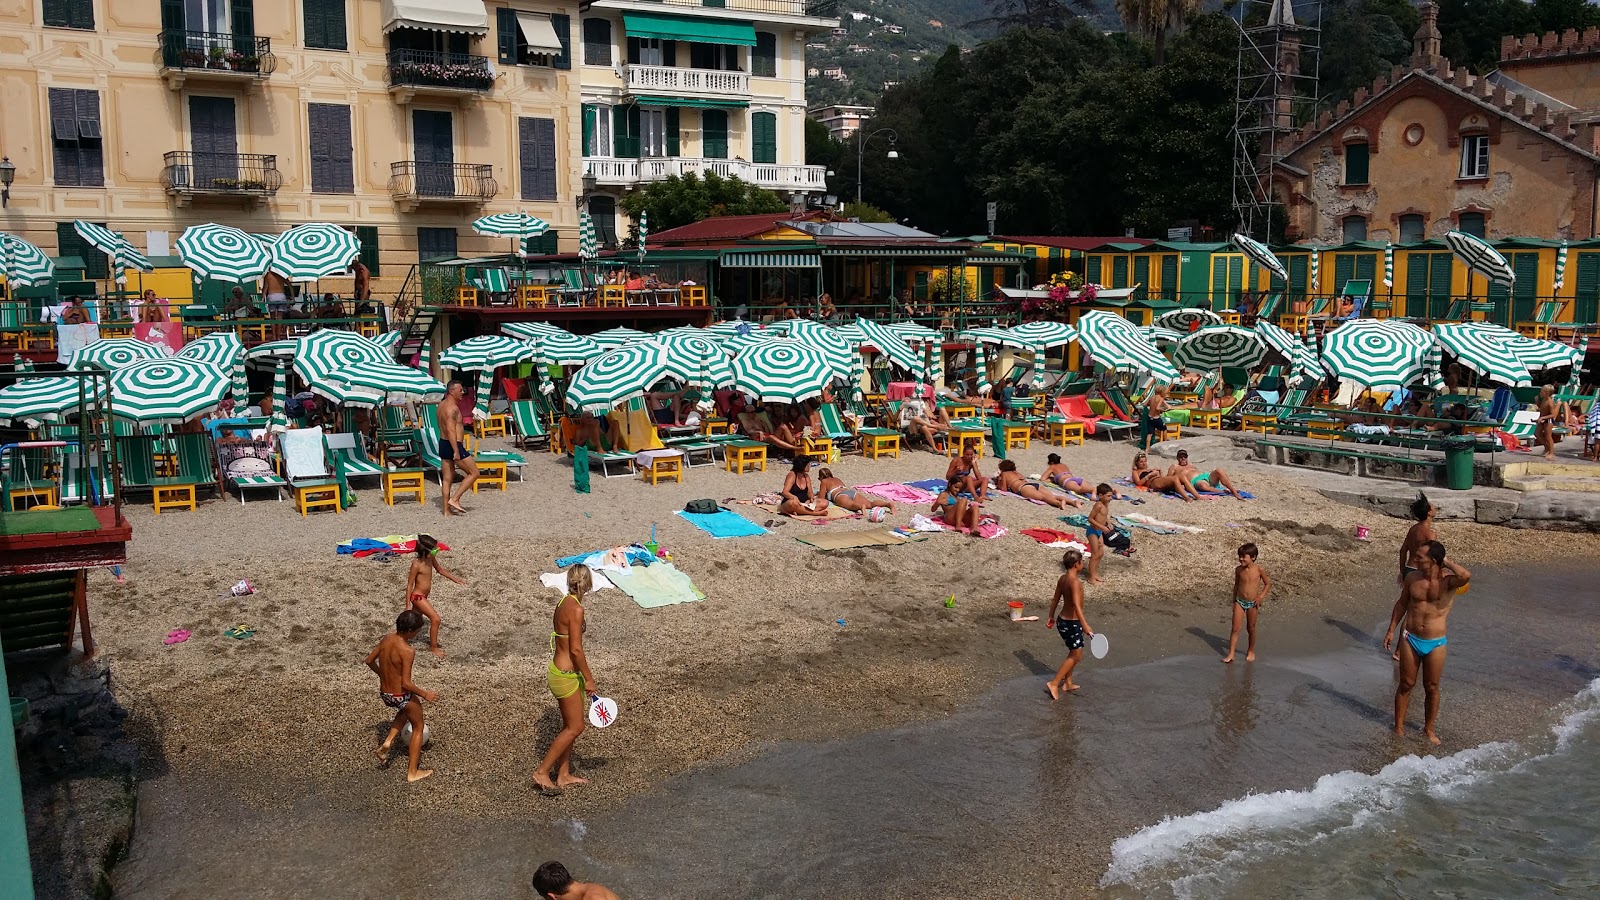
pixel 680 200
pixel 1156 19
pixel 866 212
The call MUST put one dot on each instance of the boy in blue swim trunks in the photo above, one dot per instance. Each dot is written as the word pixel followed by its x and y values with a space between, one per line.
pixel 1066 617
pixel 1098 528
pixel 1429 594
pixel 1250 586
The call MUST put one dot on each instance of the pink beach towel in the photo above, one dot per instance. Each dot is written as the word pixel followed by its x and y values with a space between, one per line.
pixel 899 493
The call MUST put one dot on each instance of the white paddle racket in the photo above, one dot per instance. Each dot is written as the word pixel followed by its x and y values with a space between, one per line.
pixel 1099 646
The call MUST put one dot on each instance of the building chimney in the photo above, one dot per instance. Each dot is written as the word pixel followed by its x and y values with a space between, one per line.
pixel 1425 45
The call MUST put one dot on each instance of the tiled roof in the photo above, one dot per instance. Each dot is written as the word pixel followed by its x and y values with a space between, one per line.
pixel 1070 243
pixel 724 228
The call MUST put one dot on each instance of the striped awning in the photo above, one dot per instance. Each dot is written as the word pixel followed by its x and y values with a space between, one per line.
pixel 954 252
pixel 994 260
pixel 771 260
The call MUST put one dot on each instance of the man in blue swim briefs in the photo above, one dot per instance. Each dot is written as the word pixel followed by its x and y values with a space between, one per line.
pixel 1429 593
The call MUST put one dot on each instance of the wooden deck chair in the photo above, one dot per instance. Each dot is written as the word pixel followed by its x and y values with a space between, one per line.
pixel 527 424
pixel 573 291
pixel 1544 315
pixel 833 426
pixel 350 458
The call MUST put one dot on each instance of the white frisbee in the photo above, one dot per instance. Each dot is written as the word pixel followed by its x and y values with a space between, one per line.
pixel 1099 646
pixel 602 711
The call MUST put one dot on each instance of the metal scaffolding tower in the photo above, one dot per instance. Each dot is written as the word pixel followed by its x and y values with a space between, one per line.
pixel 1280 54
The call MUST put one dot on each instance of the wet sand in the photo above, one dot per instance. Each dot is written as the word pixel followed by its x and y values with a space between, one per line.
pixel 258 750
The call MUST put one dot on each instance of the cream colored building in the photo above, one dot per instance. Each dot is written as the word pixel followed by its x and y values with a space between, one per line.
pixel 694 86
pixel 403 119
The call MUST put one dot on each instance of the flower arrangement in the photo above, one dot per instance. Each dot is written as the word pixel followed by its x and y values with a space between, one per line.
pixel 445 75
pixel 1064 289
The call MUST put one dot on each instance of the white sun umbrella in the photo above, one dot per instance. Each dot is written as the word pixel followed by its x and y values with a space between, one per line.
pixel 224 350
pixel 115 353
pixel 566 349
pixel 1115 343
pixel 173 389
pixel 390 341
pixel 1484 348
pixel 1301 359
pixel 819 337
pixel 781 372
pixel 1220 347
pixel 1186 319
pixel 517 226
pixel 852 334
pixel 1478 256
pixel 741 342
pixel 313 250
pixel 914 333
pixel 23 264
pixel 271 352
pixel 617 376
pixel 279 420
pixel 222 253
pixel 1260 255
pixel 328 351
pixel 1377 354
pixel 47 399
pixel 697 361
pixel 617 337
pixel 487 351
pixel 999 337
pixel 1044 334
pixel 1161 335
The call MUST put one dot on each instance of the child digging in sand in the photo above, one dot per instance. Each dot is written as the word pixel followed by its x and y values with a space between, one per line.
pixel 392 659
pixel 419 584
pixel 1250 585
pixel 1066 617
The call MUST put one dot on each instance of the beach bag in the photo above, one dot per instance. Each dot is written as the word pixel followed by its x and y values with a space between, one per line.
pixel 700 507
pixel 1118 540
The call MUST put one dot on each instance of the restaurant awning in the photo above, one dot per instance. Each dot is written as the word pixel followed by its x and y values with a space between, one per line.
pixel 954 253
pixel 994 260
pixel 463 16
pixel 537 32
pixel 683 28
pixel 694 102
pixel 770 260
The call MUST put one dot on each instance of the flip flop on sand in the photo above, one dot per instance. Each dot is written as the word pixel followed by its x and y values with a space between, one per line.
pixel 177 636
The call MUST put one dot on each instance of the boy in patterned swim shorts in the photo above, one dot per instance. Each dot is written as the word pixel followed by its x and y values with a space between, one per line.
pixel 391 660
pixel 1070 623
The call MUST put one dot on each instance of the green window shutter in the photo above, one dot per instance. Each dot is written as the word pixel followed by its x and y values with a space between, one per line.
pixel 69 14
pixel 1344 269
pixel 1235 279
pixel 1299 267
pixel 1366 268
pixel 1440 269
pixel 714 133
pixel 505 32
pixel 171 15
pixel 590 115
pixel 1356 157
pixel 543 245
pixel 764 56
pixel 671 118
pixel 625 131
pixel 1119 271
pixel 325 24
pixel 368 236
pixel 1219 283
pixel 242 16
pixel 1091 270
pixel 1169 276
pixel 764 137
pixel 1416 300
pixel 562 23
pixel 1055 252
pixel 1526 267
pixel 95 263
pixel 1586 310
pixel 1141 271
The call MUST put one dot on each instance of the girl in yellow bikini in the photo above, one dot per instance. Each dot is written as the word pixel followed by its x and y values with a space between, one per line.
pixel 570 681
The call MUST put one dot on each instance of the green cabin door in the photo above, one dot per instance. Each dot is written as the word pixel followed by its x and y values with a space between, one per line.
pixel 1169 276
pixel 1524 294
pixel 1586 308
pixel 1119 271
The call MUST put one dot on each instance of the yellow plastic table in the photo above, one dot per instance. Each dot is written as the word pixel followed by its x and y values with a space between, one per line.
pixel 742 454
pixel 1063 433
pixel 405 482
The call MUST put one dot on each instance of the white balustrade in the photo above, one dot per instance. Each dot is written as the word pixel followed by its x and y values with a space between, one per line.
pixel 613 171
pixel 675 81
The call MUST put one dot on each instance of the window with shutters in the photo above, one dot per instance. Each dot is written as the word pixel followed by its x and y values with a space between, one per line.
pixel 537 141
pixel 543 245
pixel 1413 229
pixel 70 243
pixel 596 130
pixel 76 138
pixel 764 56
pixel 69 14
pixel 764 137
pixel 716 57
pixel 1091 272
pixel 368 236
pixel 714 133
pixel 512 27
pixel 1354 228
pixel 1586 305
pixel 1119 271
pixel 435 243
pixel 332 153
pixel 653 132
pixel 1475 156
pixel 647 51
pixel 325 26
pixel 597 42
pixel 1355 163
pixel 1471 223
pixel 603 213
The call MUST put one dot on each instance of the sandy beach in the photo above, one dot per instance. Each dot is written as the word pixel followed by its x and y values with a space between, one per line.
pixel 291 714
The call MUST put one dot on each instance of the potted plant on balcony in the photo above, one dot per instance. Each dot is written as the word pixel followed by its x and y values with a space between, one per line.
pixel 252 184
pixel 194 59
pixel 224 184
pixel 218 58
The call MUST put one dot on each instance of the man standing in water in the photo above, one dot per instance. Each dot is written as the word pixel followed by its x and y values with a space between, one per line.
pixel 1428 594
pixel 453 449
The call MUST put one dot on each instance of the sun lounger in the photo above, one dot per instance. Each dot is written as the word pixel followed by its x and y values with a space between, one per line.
pixel 350 459
pixel 305 465
pixel 833 426
pixel 250 465
pixel 1076 409
pixel 528 424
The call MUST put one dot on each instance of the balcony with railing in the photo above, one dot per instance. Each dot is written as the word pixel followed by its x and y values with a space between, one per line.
pixel 814 9
pixel 672 81
pixel 215 56
pixel 413 183
pixel 607 171
pixel 250 176
pixel 439 74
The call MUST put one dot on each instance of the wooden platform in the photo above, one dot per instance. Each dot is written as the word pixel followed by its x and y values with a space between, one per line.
pixel 33 551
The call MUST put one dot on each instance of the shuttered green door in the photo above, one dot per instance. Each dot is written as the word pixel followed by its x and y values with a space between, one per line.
pixel 1366 269
pixel 1235 282
pixel 1441 268
pixel 714 133
pixel 1299 267
pixel 1415 303
pixel 1169 276
pixel 1526 267
pixel 1141 272
pixel 1119 271
pixel 1344 269
pixel 1586 311
pixel 764 137
pixel 1091 270
pixel 1219 283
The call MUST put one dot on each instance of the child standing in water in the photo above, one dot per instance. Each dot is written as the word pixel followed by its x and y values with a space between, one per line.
pixel 391 660
pixel 1066 617
pixel 419 583
pixel 1098 528
pixel 1250 586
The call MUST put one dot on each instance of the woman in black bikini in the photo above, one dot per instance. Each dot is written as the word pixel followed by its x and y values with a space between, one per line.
pixel 797 494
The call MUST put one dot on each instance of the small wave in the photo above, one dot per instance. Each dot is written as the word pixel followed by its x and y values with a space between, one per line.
pixel 1183 845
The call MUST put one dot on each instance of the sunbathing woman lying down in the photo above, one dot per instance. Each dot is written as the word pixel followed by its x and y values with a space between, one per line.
pixel 848 497
pixel 1010 480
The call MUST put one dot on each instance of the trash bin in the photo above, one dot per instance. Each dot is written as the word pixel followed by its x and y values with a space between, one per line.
pixel 1458 455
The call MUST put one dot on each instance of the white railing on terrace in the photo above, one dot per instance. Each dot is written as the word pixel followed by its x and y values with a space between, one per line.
pixel 672 80
pixel 626 172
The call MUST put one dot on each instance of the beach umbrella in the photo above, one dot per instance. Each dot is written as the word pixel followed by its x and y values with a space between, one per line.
pixel 1301 360
pixel 644 231
pixel 1260 255
pixel 115 353
pixel 1044 334
pixel 1484 348
pixel 852 334
pixel 617 376
pixel 858 374
pixel 224 350
pixel 935 363
pixel 741 342
pixel 385 378
pixel 338 391
pixel 698 362
pixel 913 333
pixel 588 241
pixel 819 337
pixel 891 344
pixel 1538 355
pixel 1575 380
pixel 980 362
pixel 1161 335
pixel 487 352
pixel 390 341
pixel 1561 266
pixel 566 349
pixel 1433 367
pixel 328 351
pixel 1115 343
pixel 1388 265
pixel 18 364
pixel 174 389
pixel 271 351
pixel 23 264
pixel 46 399
pixel 516 225
pixel 313 250
pixel 781 372
pixel 279 420
pixel 1220 347
pixel 732 327
pixel 616 337
pixel 1186 319
pixel 998 336
pixel 480 395
pixel 222 253
pixel 1380 354
pixel 531 331
pixel 1316 269
pixel 1479 257
pixel 114 245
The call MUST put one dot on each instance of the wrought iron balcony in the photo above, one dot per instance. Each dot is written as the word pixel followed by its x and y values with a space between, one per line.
pixel 413 183
pixel 433 72
pixel 672 81
pixel 249 175
pixel 215 55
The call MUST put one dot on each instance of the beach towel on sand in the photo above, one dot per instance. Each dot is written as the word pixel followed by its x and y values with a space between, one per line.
pixel 929 484
pixel 658 585
pixel 899 493
pixel 723 524
pixel 1204 495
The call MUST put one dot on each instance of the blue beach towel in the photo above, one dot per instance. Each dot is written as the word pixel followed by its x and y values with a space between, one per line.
pixel 361 543
pixel 637 556
pixel 929 484
pixel 723 524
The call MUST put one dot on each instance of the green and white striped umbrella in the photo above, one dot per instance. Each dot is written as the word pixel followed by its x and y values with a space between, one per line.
pixel 891 345
pixel 617 376
pixel 741 342
pixel 1484 348
pixel 115 353
pixel 1301 359
pixel 313 250
pixel 1159 334
pixel 271 351
pixel 515 225
pixel 46 399
pixel 267 240
pixel 819 337
pixel 644 231
pixel 1388 265
pixel 566 349
pixel 1316 270
pixel 858 375
pixel 935 363
pixel 1220 347
pixel 980 363
pixel 1045 334
pixel 617 337
pixel 1433 366
pixel 1478 256
pixel 731 327
pixel 167 390
pixel 117 247
pixel 223 350
pixel 391 380
pixel 698 361
pixel 1115 343
pixel 852 334
pixel 1000 337
pixel 1187 319
pixel 18 364
pixel 328 352
pixel 222 253
pixel 781 372
pixel 1380 354
pixel 1561 266
pixel 588 240
pixel 1539 355
pixel 343 393
pixel 23 264
pixel 913 333
pixel 487 352
pixel 531 331
pixel 279 420
pixel 1260 255
pixel 1575 380
pixel 480 396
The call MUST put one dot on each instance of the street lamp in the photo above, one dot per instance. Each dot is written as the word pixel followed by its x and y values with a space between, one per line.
pixel 861 151
pixel 8 174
